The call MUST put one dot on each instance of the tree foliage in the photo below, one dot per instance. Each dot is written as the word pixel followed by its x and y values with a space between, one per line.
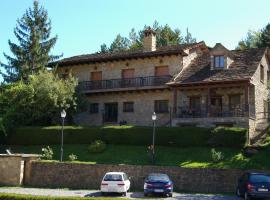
pixel 32 53
pixel 255 39
pixel 37 102
pixel 165 36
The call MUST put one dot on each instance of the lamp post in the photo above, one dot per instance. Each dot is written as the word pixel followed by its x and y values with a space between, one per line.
pixel 63 115
pixel 154 118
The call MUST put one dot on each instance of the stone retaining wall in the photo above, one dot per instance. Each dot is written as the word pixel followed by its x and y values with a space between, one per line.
pixel 67 175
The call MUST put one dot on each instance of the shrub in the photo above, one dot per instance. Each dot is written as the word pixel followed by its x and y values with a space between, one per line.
pixel 216 155
pixel 47 153
pixel 98 146
pixel 72 157
pixel 228 137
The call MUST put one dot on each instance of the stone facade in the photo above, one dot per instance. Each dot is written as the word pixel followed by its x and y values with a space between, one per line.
pixel 67 175
pixel 143 107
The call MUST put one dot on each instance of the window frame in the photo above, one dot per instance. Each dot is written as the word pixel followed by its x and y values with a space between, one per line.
pixel 94 109
pixel 125 107
pixel 158 108
pixel 219 62
pixel 192 98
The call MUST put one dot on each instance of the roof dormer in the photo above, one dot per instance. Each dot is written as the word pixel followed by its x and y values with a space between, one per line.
pixel 220 57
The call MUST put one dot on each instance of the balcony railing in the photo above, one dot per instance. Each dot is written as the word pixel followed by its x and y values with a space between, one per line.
pixel 240 111
pixel 124 83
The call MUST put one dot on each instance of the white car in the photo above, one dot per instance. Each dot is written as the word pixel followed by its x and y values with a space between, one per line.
pixel 115 182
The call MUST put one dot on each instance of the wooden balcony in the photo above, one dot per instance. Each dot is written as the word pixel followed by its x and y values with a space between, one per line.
pixel 147 82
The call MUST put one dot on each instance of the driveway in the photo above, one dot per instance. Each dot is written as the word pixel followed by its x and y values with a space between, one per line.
pixel 96 193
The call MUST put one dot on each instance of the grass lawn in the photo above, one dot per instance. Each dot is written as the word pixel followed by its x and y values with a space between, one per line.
pixel 170 156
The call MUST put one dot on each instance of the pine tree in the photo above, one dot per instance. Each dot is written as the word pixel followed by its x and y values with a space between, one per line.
pixel 265 37
pixel 32 53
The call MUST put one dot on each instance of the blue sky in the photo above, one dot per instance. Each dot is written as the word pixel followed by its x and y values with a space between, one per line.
pixel 83 25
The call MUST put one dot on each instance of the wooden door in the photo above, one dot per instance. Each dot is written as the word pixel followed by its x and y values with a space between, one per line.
pixel 127 73
pixel 96 76
pixel 161 71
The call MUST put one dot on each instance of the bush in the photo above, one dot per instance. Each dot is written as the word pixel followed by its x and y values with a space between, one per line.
pixel 216 155
pixel 72 157
pixel 228 137
pixel 47 153
pixel 97 146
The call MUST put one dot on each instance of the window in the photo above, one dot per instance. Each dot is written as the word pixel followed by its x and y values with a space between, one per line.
pixel 93 108
pixel 161 106
pixel 262 73
pixel 219 61
pixel 161 71
pixel 195 103
pixel 234 102
pixel 128 107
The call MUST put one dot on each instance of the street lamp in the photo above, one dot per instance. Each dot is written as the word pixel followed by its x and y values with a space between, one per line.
pixel 154 118
pixel 63 115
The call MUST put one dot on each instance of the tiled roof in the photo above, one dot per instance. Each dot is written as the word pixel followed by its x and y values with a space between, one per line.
pixel 130 54
pixel 244 65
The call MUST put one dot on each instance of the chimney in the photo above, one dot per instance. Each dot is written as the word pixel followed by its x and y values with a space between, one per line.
pixel 149 42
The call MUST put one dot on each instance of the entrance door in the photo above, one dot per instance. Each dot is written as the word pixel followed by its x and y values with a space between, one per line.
pixel 216 106
pixel 111 112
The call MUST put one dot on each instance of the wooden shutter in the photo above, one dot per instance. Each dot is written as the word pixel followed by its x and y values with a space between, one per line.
pixel 127 73
pixel 96 76
pixel 161 71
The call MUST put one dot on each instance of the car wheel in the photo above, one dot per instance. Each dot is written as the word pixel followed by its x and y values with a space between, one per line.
pixel 125 194
pixel 246 197
pixel 145 194
pixel 170 194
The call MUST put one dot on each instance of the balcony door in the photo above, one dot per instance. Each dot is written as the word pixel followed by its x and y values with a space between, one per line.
pixel 111 112
pixel 96 80
pixel 160 73
pixel 128 78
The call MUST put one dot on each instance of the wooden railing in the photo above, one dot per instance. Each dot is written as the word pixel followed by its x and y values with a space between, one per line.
pixel 124 83
pixel 242 111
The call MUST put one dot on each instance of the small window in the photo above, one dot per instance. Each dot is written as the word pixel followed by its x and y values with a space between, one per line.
pixel 93 108
pixel 219 61
pixel 262 73
pixel 128 107
pixel 161 71
pixel 234 102
pixel 161 106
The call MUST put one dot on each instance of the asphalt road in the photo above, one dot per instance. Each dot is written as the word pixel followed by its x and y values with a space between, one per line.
pixel 96 193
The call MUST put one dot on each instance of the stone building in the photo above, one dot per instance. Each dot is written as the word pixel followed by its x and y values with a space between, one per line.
pixel 189 84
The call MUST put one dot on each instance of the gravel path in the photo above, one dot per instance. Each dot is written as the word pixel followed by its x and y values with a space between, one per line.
pixel 96 193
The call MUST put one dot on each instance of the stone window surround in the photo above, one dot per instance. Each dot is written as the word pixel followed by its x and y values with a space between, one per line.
pixel 128 107
pixel 161 106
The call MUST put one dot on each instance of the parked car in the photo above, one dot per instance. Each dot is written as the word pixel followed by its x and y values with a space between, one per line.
pixel 117 182
pixel 158 183
pixel 253 185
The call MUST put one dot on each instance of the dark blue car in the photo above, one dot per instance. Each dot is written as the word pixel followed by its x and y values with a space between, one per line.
pixel 159 184
pixel 253 185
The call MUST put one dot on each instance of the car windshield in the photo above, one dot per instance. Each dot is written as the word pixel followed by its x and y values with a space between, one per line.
pixel 113 177
pixel 255 178
pixel 158 177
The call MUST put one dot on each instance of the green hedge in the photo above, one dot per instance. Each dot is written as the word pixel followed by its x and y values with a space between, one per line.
pixel 5 196
pixel 228 137
pixel 128 135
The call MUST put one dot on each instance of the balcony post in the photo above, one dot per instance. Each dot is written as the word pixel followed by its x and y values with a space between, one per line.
pixel 174 101
pixel 247 100
pixel 208 102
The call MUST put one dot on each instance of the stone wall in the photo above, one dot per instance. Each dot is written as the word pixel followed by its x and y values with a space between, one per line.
pixel 10 170
pixel 67 175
